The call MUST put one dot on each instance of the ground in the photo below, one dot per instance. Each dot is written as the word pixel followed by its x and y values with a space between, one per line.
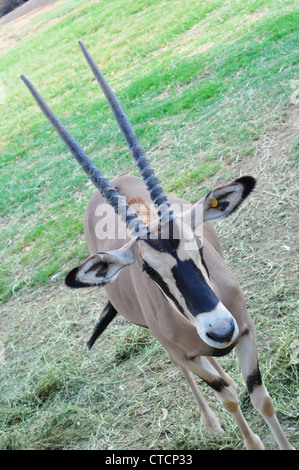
pixel 27 9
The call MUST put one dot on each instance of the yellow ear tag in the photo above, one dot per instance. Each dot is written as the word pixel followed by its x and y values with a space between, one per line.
pixel 214 203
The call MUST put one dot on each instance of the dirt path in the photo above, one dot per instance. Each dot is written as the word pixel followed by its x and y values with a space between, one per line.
pixel 27 8
pixel 19 22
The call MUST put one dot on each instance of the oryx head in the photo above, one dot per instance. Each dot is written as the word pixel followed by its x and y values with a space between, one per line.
pixel 175 261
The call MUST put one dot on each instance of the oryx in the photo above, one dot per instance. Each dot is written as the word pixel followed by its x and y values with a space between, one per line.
pixel 177 285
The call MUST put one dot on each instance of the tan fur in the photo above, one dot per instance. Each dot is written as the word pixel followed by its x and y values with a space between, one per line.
pixel 141 209
pixel 268 408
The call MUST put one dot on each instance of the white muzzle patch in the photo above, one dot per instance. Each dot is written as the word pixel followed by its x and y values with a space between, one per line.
pixel 217 328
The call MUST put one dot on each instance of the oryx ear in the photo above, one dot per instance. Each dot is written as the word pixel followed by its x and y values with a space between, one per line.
pixel 224 200
pixel 101 268
pixel 220 202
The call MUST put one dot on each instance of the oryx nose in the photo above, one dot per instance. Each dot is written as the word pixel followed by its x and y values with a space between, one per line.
pixel 222 335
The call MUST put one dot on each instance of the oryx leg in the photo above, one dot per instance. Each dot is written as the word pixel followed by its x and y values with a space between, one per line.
pixel 209 419
pixel 227 395
pixel 222 373
pixel 247 353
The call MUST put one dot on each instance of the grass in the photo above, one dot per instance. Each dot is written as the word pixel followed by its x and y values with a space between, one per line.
pixel 202 83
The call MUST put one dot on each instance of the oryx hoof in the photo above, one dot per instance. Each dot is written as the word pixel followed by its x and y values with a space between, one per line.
pixel 254 443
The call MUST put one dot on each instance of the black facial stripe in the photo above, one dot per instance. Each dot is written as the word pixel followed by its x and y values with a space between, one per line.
pixel 162 284
pixel 203 261
pixel 199 297
pixel 190 281
pixel 168 240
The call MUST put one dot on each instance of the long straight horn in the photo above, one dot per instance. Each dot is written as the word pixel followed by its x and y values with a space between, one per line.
pixel 143 165
pixel 113 198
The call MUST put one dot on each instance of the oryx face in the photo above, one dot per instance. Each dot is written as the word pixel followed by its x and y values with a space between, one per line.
pixel 178 268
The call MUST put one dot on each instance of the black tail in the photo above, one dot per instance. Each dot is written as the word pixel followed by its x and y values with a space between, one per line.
pixel 107 316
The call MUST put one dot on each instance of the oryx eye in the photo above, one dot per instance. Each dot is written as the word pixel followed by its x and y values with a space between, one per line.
pixel 148 269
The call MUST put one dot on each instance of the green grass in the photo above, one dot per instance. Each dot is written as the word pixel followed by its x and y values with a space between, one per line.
pixel 201 82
